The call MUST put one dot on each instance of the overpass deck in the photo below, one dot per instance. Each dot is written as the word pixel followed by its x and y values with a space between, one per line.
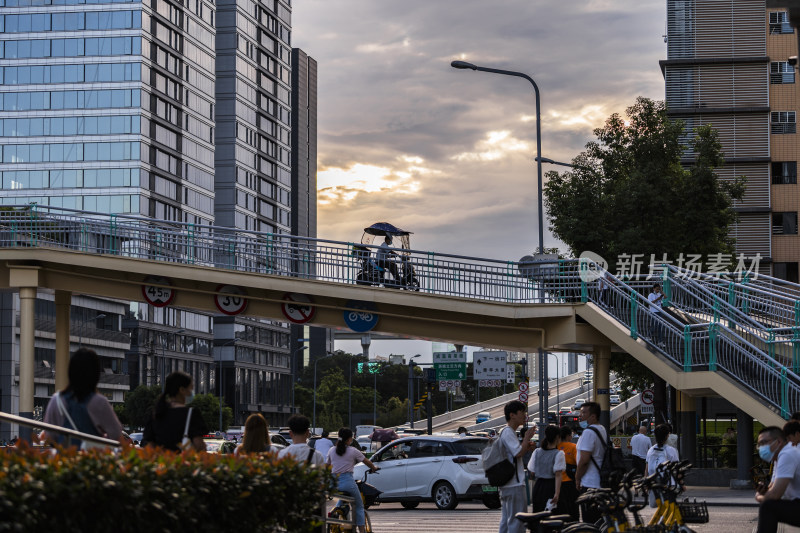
pixel 513 305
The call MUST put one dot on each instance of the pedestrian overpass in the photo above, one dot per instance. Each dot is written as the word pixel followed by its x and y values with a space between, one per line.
pixel 728 336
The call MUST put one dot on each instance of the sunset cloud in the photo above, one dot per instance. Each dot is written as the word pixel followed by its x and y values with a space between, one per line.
pixel 449 154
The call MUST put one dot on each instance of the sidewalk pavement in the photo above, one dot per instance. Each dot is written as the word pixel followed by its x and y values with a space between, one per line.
pixel 721 496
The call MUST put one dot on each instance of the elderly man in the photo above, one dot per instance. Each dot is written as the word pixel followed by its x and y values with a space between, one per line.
pixel 640 443
pixel 780 501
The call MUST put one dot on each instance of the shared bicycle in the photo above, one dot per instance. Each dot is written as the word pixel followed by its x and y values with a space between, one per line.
pixel 665 485
pixel 342 511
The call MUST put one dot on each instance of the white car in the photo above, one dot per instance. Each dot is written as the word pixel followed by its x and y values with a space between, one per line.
pixel 440 469
pixel 577 405
pixel 614 399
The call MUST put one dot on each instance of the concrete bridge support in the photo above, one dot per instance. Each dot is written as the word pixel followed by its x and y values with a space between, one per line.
pixel 602 360
pixel 63 303
pixel 27 302
pixel 687 422
pixel 744 450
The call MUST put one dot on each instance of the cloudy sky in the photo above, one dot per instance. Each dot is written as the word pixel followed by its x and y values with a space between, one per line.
pixel 446 153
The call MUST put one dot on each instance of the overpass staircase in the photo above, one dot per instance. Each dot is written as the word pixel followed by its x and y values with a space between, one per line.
pixel 736 338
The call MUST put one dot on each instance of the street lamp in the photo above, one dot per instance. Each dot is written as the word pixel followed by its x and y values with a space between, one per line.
pixel 411 365
pixel 464 65
pixel 83 325
pixel 317 360
pixel 558 385
pixel 164 357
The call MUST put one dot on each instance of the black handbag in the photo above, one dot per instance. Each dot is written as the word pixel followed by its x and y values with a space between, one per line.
pixel 501 473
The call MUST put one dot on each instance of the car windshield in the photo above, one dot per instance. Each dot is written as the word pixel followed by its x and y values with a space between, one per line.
pixel 470 446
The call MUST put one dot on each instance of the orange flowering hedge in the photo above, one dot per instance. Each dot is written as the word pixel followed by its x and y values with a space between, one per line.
pixel 152 490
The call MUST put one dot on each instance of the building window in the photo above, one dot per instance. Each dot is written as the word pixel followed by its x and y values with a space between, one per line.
pixel 781 72
pixel 786 271
pixel 784 172
pixel 784 223
pixel 783 122
pixel 779 23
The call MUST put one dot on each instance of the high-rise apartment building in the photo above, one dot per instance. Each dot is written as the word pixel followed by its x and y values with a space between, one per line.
pixel 728 65
pixel 177 110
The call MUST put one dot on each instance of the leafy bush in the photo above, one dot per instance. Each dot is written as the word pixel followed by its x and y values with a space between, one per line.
pixel 153 490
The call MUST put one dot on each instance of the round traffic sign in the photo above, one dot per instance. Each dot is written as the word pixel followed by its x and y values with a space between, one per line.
pixel 523 386
pixel 230 300
pixel 155 293
pixel 648 397
pixel 360 316
pixel 523 397
pixel 297 308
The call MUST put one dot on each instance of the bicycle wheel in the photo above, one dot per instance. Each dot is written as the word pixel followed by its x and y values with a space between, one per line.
pixel 581 527
pixel 338 514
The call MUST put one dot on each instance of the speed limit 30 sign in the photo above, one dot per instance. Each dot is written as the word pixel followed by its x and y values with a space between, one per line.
pixel 230 300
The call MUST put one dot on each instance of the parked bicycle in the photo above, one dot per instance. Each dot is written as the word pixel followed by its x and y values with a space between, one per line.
pixel 614 506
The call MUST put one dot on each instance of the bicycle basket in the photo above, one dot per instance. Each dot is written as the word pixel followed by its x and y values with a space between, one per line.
pixel 693 512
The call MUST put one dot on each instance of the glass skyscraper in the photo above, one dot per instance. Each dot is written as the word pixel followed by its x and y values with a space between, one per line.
pixel 173 110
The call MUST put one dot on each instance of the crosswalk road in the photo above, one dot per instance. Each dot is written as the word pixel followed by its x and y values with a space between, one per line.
pixel 467 517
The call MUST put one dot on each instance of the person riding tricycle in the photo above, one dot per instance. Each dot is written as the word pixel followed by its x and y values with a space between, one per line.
pixel 390 266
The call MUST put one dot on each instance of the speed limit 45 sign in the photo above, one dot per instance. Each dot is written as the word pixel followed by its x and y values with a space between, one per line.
pixel 230 300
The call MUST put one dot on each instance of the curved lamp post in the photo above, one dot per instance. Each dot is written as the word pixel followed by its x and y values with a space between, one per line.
pixel 463 65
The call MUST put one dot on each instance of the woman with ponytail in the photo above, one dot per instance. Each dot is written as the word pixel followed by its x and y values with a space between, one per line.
pixel 342 458
pixel 171 420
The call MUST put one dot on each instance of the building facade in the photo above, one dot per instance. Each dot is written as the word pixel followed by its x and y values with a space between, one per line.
pixel 728 65
pixel 179 111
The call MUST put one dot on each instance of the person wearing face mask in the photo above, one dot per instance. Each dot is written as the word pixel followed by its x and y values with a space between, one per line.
pixel 172 419
pixel 781 499
pixel 590 455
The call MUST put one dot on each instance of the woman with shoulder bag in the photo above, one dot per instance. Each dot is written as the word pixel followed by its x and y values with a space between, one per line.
pixel 174 426
pixel 547 464
pixel 79 407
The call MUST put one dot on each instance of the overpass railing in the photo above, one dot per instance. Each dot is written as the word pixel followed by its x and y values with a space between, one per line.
pixel 270 253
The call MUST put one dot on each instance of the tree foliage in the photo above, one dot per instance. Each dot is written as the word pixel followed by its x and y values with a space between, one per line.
pixel 208 405
pixel 139 404
pixel 629 192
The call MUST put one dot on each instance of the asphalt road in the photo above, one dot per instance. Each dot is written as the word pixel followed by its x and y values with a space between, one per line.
pixel 474 517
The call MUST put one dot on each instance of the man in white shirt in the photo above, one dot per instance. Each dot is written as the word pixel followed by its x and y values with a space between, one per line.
pixel 591 448
pixel 299 431
pixel 323 444
pixel 780 501
pixel 386 257
pixel 640 443
pixel 655 298
pixel 512 494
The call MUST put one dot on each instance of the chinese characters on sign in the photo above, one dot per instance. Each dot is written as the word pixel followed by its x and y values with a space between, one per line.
pixel 489 365
pixel 450 366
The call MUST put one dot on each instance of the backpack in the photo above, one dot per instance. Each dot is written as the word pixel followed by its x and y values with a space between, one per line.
pixel 658 457
pixel 613 466
pixel 499 470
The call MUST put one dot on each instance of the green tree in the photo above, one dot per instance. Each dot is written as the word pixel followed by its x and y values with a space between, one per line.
pixel 629 193
pixel 139 404
pixel 209 405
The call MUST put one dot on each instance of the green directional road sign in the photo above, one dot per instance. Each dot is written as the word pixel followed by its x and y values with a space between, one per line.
pixel 450 365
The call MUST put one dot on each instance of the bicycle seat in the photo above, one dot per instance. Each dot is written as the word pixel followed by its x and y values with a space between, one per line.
pixel 563 517
pixel 531 520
